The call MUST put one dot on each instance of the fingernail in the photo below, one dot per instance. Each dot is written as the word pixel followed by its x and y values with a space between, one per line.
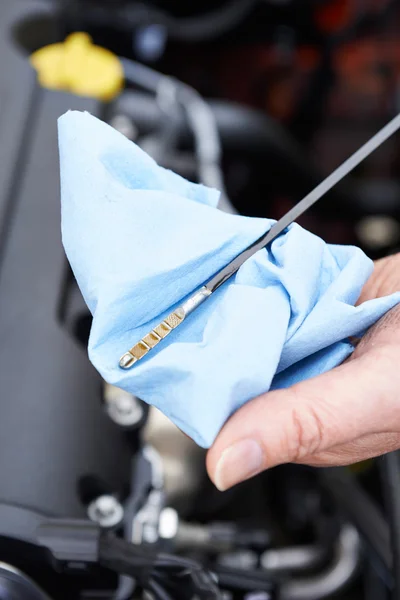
pixel 237 463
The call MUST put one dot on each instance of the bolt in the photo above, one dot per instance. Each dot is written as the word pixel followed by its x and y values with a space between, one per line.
pixel 106 511
pixel 123 408
pixel 168 523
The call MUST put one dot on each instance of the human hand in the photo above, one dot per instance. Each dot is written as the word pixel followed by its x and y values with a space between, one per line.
pixel 341 417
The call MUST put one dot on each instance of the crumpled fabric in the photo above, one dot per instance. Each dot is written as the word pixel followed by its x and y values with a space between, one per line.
pixel 140 239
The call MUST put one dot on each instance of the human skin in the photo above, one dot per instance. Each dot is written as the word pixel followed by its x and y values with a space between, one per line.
pixel 341 417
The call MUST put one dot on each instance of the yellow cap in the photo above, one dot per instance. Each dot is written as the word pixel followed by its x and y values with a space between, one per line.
pixel 79 67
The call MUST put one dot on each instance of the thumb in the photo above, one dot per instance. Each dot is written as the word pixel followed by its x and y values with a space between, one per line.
pixel 290 425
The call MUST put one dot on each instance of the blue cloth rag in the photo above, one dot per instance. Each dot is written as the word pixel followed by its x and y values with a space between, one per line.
pixel 140 239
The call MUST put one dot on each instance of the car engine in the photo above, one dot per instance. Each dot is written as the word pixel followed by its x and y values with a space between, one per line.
pixel 101 497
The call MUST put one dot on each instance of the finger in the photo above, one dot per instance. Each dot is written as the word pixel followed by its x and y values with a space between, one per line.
pixel 364 448
pixel 335 408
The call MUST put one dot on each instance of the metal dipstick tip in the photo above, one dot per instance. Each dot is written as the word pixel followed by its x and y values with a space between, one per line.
pixel 127 360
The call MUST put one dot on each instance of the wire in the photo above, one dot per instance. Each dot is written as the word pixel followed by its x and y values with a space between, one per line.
pixel 150 567
pixel 199 114
pixel 158 590
pixel 208 148
pixel 390 469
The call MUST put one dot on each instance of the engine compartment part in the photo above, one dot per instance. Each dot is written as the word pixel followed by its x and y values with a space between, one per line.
pixel 15 585
pixel 51 403
pixel 80 459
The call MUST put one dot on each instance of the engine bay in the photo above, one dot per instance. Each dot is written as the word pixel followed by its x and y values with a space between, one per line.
pixel 292 91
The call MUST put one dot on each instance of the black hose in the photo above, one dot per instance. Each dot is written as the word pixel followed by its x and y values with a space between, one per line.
pixel 208 26
pixel 200 28
pixel 390 470
pixel 364 514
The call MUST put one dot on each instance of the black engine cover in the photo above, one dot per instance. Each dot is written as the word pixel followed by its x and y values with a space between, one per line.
pixel 53 431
